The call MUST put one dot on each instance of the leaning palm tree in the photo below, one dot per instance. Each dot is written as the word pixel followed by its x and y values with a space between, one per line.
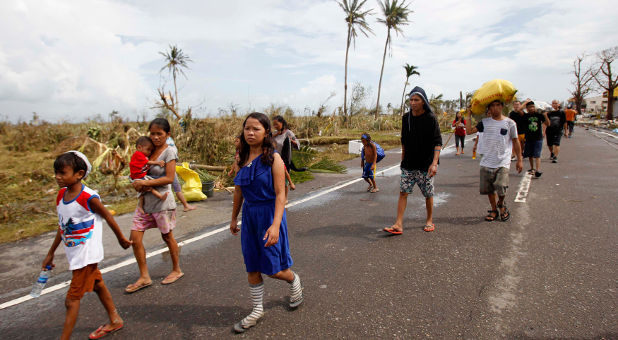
pixel 395 16
pixel 355 18
pixel 175 60
pixel 410 71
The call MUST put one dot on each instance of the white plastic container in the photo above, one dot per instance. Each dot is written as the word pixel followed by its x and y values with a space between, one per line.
pixel 355 147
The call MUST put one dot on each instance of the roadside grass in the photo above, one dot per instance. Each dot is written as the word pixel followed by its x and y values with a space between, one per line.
pixel 28 150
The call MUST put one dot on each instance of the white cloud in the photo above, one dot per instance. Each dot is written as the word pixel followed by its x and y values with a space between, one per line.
pixel 73 59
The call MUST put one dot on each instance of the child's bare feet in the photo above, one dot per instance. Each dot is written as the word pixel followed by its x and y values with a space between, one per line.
pixel 369 187
pixel 188 207
pixel 374 190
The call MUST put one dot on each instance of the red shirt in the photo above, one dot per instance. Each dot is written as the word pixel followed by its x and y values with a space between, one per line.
pixel 138 165
pixel 460 131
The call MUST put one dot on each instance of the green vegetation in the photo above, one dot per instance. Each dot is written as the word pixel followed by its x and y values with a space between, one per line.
pixel 28 151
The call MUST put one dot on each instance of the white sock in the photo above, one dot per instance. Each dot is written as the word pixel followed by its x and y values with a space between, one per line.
pixel 257 297
pixel 296 289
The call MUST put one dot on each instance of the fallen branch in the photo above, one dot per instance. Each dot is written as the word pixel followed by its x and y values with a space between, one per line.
pixel 208 167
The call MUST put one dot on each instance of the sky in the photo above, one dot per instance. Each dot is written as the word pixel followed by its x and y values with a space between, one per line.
pixel 76 60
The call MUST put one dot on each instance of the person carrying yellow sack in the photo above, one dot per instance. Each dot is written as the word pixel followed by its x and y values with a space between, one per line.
pixel 497 89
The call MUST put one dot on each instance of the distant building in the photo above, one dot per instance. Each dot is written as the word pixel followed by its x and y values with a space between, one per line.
pixel 599 104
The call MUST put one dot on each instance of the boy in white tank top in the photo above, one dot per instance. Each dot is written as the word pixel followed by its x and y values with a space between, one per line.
pixel 80 229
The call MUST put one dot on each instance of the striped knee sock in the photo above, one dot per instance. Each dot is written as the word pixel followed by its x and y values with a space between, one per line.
pixel 296 291
pixel 257 296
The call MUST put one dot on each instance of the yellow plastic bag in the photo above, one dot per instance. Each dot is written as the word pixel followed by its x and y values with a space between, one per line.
pixel 192 189
pixel 497 89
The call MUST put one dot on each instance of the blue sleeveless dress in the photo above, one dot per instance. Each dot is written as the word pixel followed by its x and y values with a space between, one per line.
pixel 258 211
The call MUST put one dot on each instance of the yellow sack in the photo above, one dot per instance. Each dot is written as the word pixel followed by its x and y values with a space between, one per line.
pixel 497 89
pixel 192 189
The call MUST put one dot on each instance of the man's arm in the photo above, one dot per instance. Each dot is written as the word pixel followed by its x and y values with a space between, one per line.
pixel 517 148
pixel 437 142
pixel 469 128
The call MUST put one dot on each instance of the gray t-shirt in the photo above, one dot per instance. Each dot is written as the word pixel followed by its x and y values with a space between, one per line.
pixel 281 138
pixel 151 203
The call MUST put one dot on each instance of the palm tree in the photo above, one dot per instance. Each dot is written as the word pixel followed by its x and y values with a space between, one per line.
pixel 410 71
pixel 355 18
pixel 175 60
pixel 395 16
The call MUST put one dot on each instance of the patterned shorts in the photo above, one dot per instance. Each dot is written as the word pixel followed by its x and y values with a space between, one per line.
pixel 164 220
pixel 421 178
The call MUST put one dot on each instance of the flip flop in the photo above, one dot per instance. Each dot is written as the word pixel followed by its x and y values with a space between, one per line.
pixel 374 190
pixel 172 280
pixel 100 332
pixel 132 288
pixel 393 231
pixel 429 227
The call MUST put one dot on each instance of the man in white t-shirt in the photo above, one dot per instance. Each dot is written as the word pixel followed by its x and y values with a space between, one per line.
pixel 500 140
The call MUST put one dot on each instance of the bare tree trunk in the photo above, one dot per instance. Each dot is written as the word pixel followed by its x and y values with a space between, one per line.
pixel 403 96
pixel 610 100
pixel 388 38
pixel 175 93
pixel 345 82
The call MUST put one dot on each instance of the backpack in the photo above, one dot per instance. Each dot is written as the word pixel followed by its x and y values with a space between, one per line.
pixel 379 151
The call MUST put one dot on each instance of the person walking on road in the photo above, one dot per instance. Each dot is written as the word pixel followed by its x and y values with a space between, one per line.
pixel 81 230
pixel 285 140
pixel 499 140
pixel 260 184
pixel 570 118
pixel 176 184
pixel 421 143
pixel 160 214
pixel 369 162
pixel 535 130
pixel 519 117
pixel 460 131
pixel 557 124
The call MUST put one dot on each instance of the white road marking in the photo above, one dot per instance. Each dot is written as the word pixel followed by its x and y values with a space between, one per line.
pixel 524 187
pixel 191 240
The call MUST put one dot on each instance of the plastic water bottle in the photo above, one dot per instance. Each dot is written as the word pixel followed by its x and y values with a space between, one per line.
pixel 38 286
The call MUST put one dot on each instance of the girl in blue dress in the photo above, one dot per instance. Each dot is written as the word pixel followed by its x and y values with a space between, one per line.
pixel 260 183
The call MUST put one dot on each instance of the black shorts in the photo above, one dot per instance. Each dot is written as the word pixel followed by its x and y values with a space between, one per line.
pixel 553 138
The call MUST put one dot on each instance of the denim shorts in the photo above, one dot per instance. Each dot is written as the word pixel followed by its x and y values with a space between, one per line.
pixel 533 148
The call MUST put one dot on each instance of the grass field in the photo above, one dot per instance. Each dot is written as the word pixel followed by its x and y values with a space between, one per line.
pixel 28 152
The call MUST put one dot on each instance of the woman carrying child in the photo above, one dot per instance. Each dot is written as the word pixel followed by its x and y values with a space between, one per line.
pixel 264 237
pixel 156 213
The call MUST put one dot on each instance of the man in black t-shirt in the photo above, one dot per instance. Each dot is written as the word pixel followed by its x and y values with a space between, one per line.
pixel 518 116
pixel 421 143
pixel 535 129
pixel 557 123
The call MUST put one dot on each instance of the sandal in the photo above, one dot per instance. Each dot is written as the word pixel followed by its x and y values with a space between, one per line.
pixel 492 216
pixel 132 288
pixel 393 231
pixel 169 280
pixel 100 332
pixel 429 227
pixel 506 215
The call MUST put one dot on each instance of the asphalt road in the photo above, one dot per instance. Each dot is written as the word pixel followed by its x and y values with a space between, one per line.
pixel 550 272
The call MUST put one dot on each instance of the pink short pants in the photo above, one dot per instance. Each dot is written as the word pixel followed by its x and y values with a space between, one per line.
pixel 164 220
